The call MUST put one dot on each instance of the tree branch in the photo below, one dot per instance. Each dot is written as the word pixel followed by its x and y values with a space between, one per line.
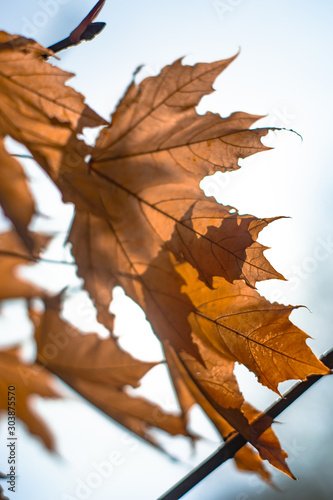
pixel 86 30
pixel 237 441
pixel 35 260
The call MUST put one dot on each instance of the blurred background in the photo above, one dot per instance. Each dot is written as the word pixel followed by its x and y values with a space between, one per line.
pixel 284 71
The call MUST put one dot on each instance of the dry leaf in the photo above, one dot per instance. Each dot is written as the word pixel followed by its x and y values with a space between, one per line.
pixel 140 207
pixel 86 356
pixel 247 460
pixel 222 243
pixel 37 109
pixel 143 185
pixel 28 379
pixel 99 370
pixel 245 327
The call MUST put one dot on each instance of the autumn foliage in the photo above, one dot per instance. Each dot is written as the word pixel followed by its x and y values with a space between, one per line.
pixel 143 223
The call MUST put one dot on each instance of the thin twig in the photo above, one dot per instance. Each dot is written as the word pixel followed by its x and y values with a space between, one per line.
pixel 235 443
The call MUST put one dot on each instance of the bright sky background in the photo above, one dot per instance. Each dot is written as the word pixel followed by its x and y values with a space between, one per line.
pixel 284 71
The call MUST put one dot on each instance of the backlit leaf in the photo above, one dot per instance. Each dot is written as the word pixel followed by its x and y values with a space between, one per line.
pixel 28 379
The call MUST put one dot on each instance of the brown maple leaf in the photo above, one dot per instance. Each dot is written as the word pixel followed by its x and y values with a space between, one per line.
pixel 38 109
pixel 28 379
pixel 141 199
pixel 140 212
pixel 233 320
pixel 243 326
pixel 99 370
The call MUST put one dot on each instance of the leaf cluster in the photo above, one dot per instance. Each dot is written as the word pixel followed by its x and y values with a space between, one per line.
pixel 143 223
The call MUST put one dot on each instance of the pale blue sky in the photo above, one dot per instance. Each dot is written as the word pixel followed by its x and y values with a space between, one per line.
pixel 284 71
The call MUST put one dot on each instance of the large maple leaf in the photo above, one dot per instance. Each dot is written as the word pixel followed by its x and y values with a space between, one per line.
pixel 140 212
pixel 143 186
pixel 232 322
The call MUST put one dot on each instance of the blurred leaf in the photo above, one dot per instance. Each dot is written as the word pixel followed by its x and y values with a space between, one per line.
pixel 38 109
pixel 99 370
pixel 28 379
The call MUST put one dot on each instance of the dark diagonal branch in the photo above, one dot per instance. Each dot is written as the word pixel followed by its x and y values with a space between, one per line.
pixel 237 441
